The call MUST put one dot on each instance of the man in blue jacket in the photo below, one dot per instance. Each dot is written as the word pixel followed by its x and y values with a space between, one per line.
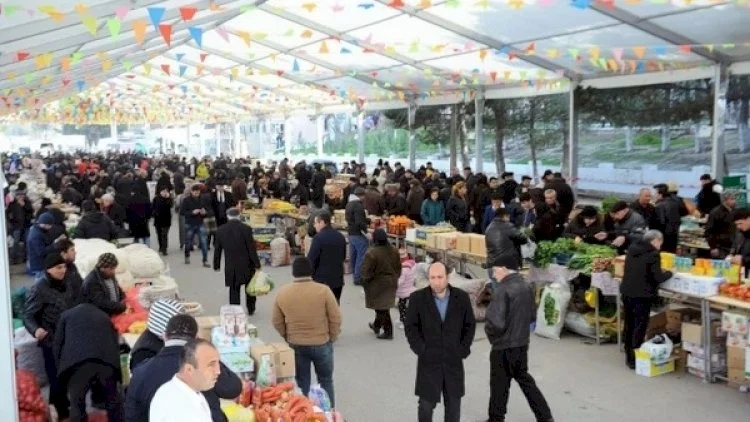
pixel 327 254
pixel 38 244
pixel 152 374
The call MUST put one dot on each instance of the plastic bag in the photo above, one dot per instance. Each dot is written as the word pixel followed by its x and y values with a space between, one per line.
pixel 528 250
pixel 280 252
pixel 550 315
pixel 659 348
pixel 319 397
pixel 266 376
pixel 260 284
pixel 29 355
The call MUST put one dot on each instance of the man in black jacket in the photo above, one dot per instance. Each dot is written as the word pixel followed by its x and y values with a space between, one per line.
pixel 356 221
pixel 327 254
pixel 707 198
pixel 235 239
pixel 509 318
pixel 149 376
pixel 100 287
pixel 639 289
pixel 317 187
pixel 194 210
pixel 151 341
pixel 644 207
pixel 73 280
pixel 503 240
pixel 94 224
pixel 88 353
pixel 441 340
pixel 19 215
pixel 740 253
pixel 668 217
pixel 720 228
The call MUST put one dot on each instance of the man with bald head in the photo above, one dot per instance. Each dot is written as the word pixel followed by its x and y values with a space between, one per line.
pixel 440 329
pixel 644 207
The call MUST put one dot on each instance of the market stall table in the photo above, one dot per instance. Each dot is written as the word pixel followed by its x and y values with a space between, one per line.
pixel 724 303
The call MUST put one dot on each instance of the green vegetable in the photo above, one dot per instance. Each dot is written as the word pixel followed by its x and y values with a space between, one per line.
pixel 582 260
pixel 551 315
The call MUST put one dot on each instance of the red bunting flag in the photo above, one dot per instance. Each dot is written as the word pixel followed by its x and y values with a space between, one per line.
pixel 187 13
pixel 396 3
pixel 493 75
pixel 22 55
pixel 166 33
pixel 203 57
pixel 165 69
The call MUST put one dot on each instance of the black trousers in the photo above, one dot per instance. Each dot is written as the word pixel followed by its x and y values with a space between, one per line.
pixel 57 396
pixel 452 408
pixel 234 298
pixel 337 293
pixel 162 235
pixel 383 320
pixel 80 383
pixel 637 313
pixel 513 364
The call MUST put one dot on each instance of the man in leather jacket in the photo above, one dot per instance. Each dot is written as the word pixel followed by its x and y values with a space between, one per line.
pixel 508 327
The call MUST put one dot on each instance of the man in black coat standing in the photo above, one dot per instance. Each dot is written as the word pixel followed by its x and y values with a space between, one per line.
pixel 509 317
pixel 440 329
pixel 236 240
pixel 327 254
pixel 87 351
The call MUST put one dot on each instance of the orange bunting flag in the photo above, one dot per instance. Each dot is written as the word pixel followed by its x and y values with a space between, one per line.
pixel 594 53
pixel 65 64
pixel 493 75
pixel 323 48
pixel 310 7
pixel 166 33
pixel 424 4
pixel 639 51
pixel 215 7
pixel 482 54
pixel 397 4
pixel 530 49
pixel 685 49
pixel 187 13
pixel 139 30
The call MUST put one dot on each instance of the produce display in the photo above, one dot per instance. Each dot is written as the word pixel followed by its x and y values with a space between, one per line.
pixel 279 206
pixel 736 291
pixel 575 255
pixel 398 224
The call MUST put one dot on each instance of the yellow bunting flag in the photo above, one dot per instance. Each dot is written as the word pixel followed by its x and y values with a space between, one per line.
pixel 310 7
pixel 424 4
pixel 81 8
pixel 147 69
pixel 639 51
pixel 245 37
pixel 323 48
pixel 43 60
pixel 89 22
pixel 482 54
pixel 106 65
pixel 306 34
pixel 139 30
pixel 594 53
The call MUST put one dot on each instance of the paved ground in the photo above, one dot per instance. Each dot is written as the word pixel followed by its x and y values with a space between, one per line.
pixel 583 383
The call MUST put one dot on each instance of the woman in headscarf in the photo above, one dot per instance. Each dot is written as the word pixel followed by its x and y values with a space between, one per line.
pixel 139 210
pixel 380 272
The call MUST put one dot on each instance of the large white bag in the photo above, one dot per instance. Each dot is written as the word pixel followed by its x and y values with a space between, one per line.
pixel 528 250
pixel 550 316
pixel 280 252
pixel 658 348
pixel 30 356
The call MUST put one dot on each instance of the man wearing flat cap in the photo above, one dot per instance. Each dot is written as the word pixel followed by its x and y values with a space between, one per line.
pixel 100 287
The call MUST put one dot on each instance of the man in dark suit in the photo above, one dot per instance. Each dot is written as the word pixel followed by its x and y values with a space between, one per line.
pixel 88 353
pixel 440 329
pixel 327 254
pixel 221 201
pixel 236 238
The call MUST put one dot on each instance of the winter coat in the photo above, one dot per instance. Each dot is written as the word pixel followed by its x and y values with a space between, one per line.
pixel 707 199
pixel 373 201
pixel 479 200
pixel 95 225
pixel 73 284
pixel 414 201
pixel 117 214
pixel 406 280
pixel 578 228
pixel 356 220
pixel 440 346
pixel 433 212
pixel 643 272
pixel 503 242
pixel 380 272
pixel 648 212
pixel 85 334
pixel 179 183
pixel 457 213
pixel 235 240
pixel 487 217
pixel 162 211
pixel 741 246
pixel 317 188
pixel 668 221
pixel 46 301
pixel 720 229
pixel 565 196
pixel 187 206
pixel 633 226
pixel 510 189
pixel 395 205
pixel 19 216
pixel 510 313
pixel 147 346
pixel 95 293
pixel 149 376
pixel 38 245
pixel 519 216
pixel 327 255
pixel 550 223
pixel 201 173
pixel 164 183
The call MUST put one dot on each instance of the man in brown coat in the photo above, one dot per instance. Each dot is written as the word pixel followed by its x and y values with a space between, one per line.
pixel 307 316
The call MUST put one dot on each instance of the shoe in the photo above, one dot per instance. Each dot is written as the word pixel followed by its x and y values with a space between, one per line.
pixel 385 336
pixel 187 260
pixel 374 330
pixel 206 264
pixel 400 325
pixel 630 365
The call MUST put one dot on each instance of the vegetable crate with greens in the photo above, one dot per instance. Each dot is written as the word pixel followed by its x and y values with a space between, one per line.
pixel 585 257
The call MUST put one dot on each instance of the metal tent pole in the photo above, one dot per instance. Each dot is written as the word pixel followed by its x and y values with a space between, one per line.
pixel 479 131
pixel 412 112
pixel 361 137
pixel 572 137
pixel 721 83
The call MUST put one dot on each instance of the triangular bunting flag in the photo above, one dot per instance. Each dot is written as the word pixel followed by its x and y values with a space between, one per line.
pixel 76 57
pixel 89 22
pixel 245 37
pixel 295 66
pixel 114 26
pixel 65 64
pixel 179 56
pixel 197 34
pixel 80 84
pixel 139 30
pixel 223 33
pixel 22 55
pixel 166 33
pixel 156 14
pixel 147 69
pixel 203 57
pixel 639 51
pixel 183 69
pixel 187 13
pixel 121 12
pixel 323 48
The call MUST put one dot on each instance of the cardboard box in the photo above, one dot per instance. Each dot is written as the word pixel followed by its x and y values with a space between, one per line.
pixel 478 245
pixel 747 362
pixel 680 363
pixel 446 241
pixel 206 324
pixel 463 243
pixel 645 367
pixel 619 265
pixel 693 333
pixel 657 324
pixel 718 362
pixel 700 350
pixel 676 316
pixel 736 377
pixel 281 358
pixel 737 340
pixel 735 322
pixel 431 240
pixel 736 358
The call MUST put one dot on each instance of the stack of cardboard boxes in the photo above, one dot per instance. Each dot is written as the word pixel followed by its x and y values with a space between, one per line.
pixel 736 325
pixel 694 344
pixel 468 243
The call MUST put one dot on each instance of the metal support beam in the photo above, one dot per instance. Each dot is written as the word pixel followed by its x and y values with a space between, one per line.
pixel 113 129
pixel 8 398
pixel 718 156
pixel 217 140
pixel 236 144
pixel 645 25
pixel 572 137
pixel 287 137
pixel 361 137
pixel 475 36
pixel 320 123
pixel 479 131
pixel 412 113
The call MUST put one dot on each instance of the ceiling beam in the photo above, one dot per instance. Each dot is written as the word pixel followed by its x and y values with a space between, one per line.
pixel 490 42
pixel 645 25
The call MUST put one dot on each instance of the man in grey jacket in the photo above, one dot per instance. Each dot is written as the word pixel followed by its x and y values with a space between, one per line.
pixel 356 222
pixel 508 327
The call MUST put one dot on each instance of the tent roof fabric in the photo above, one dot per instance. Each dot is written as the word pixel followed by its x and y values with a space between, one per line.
pixel 206 60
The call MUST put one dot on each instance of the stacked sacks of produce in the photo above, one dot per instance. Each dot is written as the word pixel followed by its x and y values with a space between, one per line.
pixel 88 252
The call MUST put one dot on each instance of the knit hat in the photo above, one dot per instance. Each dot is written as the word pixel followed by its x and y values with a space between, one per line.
pixel 301 267
pixel 160 313
pixel 53 259
pixel 380 237
pixel 507 261
pixel 46 218
pixel 359 192
pixel 107 260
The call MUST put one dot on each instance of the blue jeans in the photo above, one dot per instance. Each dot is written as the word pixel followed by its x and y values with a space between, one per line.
pixel 320 356
pixel 190 232
pixel 357 249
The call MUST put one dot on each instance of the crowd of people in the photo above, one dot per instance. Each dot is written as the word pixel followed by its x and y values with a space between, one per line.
pixel 169 363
